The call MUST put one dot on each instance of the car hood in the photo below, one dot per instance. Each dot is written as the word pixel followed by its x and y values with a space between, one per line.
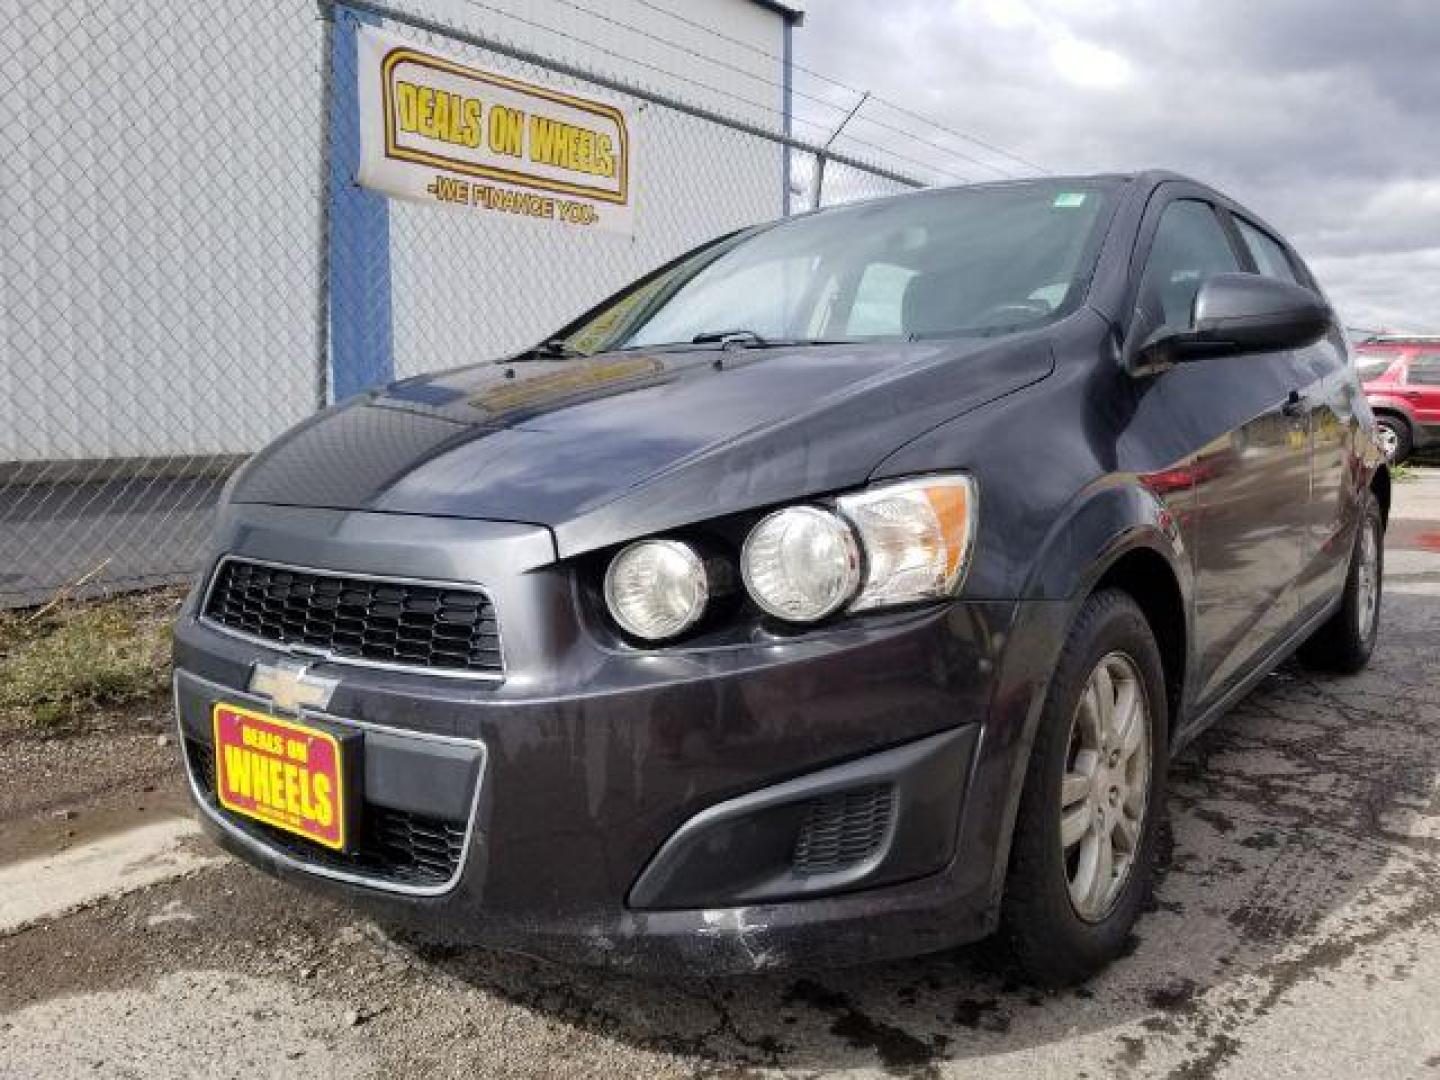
pixel 605 448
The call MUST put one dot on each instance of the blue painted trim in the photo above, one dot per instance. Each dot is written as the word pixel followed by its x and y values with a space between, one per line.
pixel 362 348
pixel 788 105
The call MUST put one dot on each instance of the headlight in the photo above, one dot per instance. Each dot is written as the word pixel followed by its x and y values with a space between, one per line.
pixel 917 536
pixel 656 588
pixel 801 563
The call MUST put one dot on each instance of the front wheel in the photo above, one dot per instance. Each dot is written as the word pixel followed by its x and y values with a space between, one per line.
pixel 1346 640
pixel 1082 861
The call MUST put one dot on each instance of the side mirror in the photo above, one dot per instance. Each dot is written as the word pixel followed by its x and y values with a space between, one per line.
pixel 1240 313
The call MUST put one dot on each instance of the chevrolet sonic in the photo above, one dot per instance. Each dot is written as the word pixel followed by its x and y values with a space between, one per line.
pixel 840 590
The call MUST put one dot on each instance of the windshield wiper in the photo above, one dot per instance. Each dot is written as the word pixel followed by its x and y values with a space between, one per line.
pixel 743 339
pixel 555 348
pixel 726 337
pixel 751 340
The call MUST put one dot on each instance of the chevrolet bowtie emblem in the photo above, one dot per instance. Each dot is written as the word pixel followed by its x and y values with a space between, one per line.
pixel 291 687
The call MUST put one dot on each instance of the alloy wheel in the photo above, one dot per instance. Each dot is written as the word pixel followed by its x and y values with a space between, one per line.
pixel 1367 581
pixel 1389 441
pixel 1106 786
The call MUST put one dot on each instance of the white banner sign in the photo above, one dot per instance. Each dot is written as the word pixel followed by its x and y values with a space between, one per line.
pixel 438 131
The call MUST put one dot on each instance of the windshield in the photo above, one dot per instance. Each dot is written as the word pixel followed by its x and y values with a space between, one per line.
pixel 958 261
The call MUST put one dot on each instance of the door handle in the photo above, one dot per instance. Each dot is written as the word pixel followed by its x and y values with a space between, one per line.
pixel 1295 403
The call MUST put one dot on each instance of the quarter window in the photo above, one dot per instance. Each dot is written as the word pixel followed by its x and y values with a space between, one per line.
pixel 1424 370
pixel 1190 245
pixel 1270 258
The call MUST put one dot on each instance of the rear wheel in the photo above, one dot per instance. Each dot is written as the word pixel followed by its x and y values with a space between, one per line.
pixel 1344 643
pixel 1083 857
pixel 1395 438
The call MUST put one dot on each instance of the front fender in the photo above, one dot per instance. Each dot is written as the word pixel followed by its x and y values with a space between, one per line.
pixel 1101 526
pixel 1106 522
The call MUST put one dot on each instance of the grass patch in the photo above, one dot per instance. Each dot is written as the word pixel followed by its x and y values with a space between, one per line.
pixel 68 667
pixel 1419 464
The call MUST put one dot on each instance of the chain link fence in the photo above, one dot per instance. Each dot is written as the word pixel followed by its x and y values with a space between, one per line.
pixel 171 246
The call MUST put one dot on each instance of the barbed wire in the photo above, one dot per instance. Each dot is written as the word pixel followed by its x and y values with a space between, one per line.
pixel 887 103
pixel 774 84
pixel 656 68
pixel 878 99
pixel 870 145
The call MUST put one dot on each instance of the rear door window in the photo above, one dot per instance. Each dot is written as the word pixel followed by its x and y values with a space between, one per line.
pixel 1424 370
pixel 1270 258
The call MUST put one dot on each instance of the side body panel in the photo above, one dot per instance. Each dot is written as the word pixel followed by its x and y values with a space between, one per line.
pixel 1248 422
pixel 1421 388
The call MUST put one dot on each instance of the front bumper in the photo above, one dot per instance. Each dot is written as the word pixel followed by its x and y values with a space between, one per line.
pixel 640 809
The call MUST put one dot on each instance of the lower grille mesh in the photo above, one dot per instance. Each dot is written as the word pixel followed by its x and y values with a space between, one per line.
pixel 844 830
pixel 395 845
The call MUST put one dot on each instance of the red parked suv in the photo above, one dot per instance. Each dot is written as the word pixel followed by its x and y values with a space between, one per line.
pixel 1402 384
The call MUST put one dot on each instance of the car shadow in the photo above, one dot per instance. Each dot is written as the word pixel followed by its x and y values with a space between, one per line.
pixel 1300 825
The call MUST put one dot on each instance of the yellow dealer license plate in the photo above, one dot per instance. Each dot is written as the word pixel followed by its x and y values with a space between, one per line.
pixel 280 773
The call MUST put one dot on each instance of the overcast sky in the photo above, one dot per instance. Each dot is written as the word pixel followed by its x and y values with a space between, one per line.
pixel 1323 116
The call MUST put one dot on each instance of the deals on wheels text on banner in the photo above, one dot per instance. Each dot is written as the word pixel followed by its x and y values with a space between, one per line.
pixel 435 130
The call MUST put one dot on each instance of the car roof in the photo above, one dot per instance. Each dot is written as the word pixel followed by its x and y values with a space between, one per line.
pixel 1143 182
pixel 1398 341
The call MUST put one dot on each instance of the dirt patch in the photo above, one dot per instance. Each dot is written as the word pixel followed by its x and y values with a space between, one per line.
pixel 81 787
pixel 85 665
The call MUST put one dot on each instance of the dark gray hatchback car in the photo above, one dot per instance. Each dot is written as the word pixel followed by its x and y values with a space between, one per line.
pixel 840 590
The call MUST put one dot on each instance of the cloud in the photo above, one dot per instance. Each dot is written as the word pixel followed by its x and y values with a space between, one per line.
pixel 1083 63
pixel 1323 116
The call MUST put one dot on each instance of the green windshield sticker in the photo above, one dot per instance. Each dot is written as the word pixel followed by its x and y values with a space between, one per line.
pixel 1069 199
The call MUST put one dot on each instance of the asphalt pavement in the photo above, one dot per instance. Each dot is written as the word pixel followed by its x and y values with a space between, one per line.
pixel 1296 931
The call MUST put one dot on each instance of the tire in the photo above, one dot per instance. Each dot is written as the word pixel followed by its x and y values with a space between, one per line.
pixel 1344 643
pixel 1058 939
pixel 1396 435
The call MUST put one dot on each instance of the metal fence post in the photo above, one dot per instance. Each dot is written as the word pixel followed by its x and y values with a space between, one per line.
pixel 817 181
pixel 361 343
pixel 322 208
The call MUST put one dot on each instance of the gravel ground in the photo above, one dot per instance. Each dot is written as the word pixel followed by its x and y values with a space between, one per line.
pixel 1296 933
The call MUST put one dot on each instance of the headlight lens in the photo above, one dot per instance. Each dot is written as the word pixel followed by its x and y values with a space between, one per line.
pixel 917 536
pixel 656 588
pixel 801 564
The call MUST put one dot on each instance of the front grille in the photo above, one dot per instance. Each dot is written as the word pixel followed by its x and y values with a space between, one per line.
pixel 392 622
pixel 395 846
pixel 844 830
